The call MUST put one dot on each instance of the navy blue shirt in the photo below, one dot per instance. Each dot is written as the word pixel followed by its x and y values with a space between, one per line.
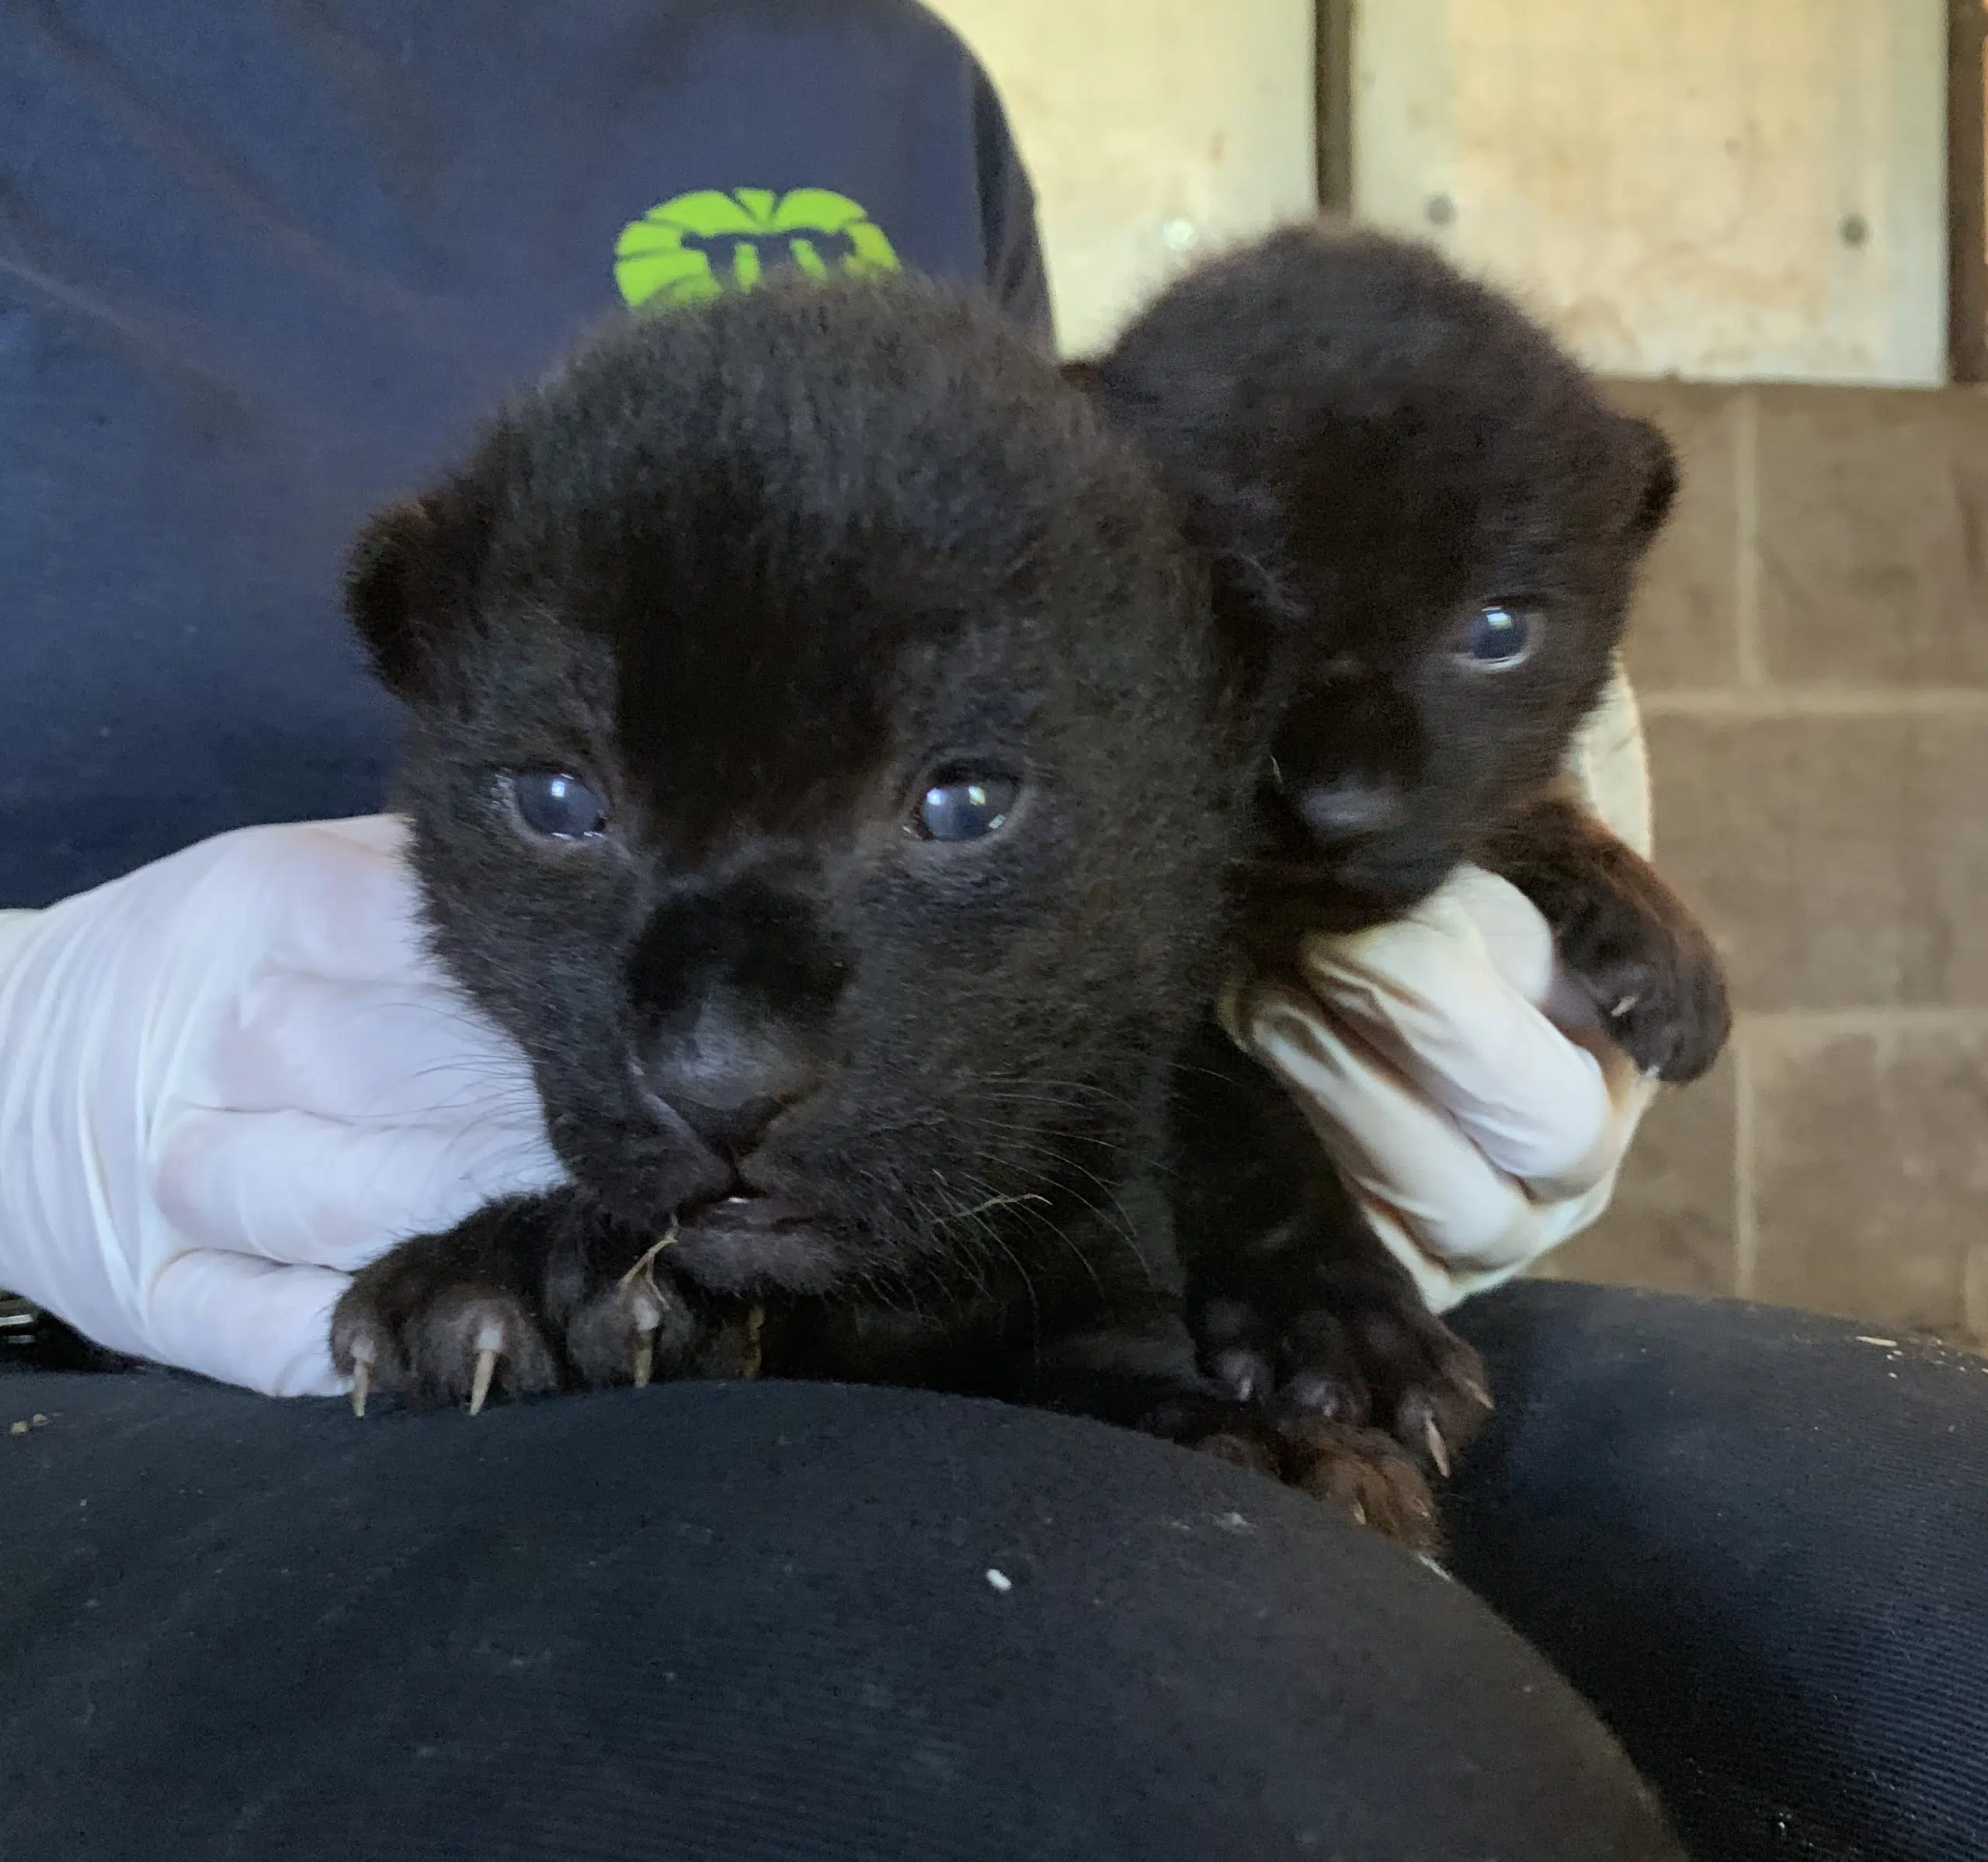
pixel 262 268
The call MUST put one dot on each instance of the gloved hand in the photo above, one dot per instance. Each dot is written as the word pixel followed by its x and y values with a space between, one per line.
pixel 228 1080
pixel 1466 1089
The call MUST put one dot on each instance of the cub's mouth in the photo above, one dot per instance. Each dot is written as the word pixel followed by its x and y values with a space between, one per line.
pixel 1293 898
pixel 744 1243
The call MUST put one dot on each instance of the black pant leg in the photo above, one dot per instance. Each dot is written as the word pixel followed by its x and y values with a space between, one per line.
pixel 1758 1541
pixel 737 1623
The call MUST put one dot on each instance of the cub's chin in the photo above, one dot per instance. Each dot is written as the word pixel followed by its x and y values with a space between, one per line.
pixel 757 1244
pixel 1361 888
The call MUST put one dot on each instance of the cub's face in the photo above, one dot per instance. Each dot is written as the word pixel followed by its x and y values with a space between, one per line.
pixel 820 764
pixel 1427 522
pixel 1471 562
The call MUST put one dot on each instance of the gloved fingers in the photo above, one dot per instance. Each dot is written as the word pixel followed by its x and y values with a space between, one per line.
pixel 1476 904
pixel 292 1188
pixel 1446 1283
pixel 1442 1284
pixel 1610 763
pixel 1428 997
pixel 247 1321
pixel 1516 937
pixel 334 899
pixel 389 834
pixel 1396 1147
pixel 14 929
pixel 364 1053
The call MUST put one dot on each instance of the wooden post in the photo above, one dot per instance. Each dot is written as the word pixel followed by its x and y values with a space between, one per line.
pixel 1967 194
pixel 1335 106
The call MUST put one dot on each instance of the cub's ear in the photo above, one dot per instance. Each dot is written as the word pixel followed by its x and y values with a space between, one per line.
pixel 1655 474
pixel 1235 523
pixel 408 584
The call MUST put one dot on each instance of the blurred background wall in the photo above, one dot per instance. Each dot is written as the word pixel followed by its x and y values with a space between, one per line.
pixel 1154 129
pixel 1761 218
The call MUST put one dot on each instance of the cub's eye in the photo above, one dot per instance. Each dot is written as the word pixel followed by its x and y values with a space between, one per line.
pixel 967 807
pixel 1499 634
pixel 559 807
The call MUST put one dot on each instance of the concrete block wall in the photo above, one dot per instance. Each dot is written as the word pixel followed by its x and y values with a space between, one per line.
pixel 1811 649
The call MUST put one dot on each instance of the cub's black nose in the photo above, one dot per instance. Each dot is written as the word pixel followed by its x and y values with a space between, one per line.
pixel 734 991
pixel 730 1131
pixel 726 1071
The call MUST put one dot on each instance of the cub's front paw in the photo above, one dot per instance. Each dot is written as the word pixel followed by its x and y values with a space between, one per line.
pixel 1646 962
pixel 1652 975
pixel 1361 1469
pixel 525 1297
pixel 623 1324
pixel 446 1318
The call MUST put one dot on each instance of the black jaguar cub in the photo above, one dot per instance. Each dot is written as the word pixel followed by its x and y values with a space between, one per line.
pixel 1424 524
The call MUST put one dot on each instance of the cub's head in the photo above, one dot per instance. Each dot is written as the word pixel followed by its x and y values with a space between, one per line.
pixel 1424 514
pixel 819 761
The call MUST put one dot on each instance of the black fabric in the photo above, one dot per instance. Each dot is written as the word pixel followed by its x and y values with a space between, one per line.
pixel 712 1623
pixel 1758 1542
pixel 1755 1540
pixel 262 266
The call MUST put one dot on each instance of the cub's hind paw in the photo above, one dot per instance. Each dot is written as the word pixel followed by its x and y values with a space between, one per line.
pixel 1363 1358
pixel 1362 1471
pixel 1392 1364
pixel 1366 1472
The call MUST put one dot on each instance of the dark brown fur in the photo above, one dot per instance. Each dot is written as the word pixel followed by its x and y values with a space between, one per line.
pixel 1372 451
pixel 761 573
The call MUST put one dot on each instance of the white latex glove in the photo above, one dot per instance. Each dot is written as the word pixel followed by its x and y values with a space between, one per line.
pixel 229 1079
pixel 1464 1086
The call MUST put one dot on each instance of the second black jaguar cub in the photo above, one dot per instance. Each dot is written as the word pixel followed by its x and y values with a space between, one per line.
pixel 1424 523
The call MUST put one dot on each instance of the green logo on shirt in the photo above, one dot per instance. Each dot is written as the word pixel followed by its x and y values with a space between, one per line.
pixel 699 245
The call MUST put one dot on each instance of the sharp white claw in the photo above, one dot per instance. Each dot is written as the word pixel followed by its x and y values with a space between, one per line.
pixel 479 1388
pixel 1439 1451
pixel 755 1354
pixel 644 1360
pixel 362 1381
